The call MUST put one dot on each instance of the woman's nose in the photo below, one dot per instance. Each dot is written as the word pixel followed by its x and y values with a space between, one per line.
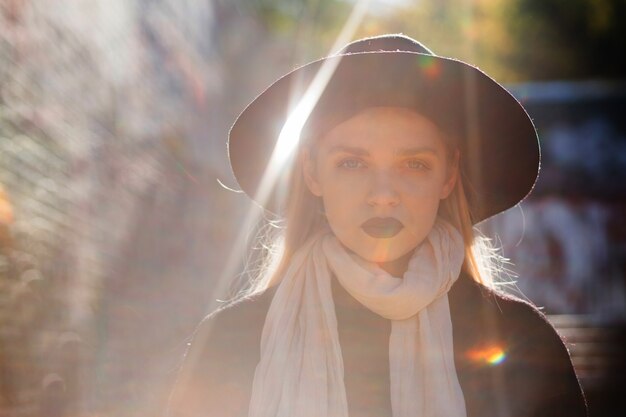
pixel 382 191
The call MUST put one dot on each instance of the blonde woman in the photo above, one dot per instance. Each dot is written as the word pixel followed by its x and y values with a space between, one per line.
pixel 378 299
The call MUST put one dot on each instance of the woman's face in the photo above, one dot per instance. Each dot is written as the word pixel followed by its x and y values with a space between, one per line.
pixel 381 176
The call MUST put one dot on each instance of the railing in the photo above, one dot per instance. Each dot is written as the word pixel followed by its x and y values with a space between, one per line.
pixel 598 351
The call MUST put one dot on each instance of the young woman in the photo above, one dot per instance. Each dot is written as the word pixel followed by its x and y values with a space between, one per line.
pixel 378 299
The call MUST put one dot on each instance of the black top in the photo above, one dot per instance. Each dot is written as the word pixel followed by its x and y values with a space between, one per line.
pixel 509 359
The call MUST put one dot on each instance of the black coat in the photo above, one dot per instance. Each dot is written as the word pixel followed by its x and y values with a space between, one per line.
pixel 534 378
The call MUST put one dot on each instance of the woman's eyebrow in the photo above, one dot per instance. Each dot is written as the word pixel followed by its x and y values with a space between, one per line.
pixel 415 151
pixel 349 149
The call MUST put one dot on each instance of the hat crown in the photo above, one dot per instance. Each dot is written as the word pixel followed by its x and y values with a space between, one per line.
pixel 387 43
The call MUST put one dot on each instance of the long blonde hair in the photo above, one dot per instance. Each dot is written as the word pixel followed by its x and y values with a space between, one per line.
pixel 304 216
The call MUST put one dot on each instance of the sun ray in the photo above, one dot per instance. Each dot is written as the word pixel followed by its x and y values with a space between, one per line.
pixel 281 157
pixel 287 142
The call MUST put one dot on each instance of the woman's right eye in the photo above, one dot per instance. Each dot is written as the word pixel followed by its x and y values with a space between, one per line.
pixel 351 163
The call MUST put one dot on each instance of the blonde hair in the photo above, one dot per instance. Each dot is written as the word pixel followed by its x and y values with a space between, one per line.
pixel 304 216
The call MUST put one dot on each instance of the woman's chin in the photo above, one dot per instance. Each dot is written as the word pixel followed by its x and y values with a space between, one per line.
pixel 378 250
pixel 386 254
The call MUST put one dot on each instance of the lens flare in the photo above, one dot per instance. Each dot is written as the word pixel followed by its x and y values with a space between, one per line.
pixel 429 65
pixel 490 355
pixel 381 252
pixel 6 209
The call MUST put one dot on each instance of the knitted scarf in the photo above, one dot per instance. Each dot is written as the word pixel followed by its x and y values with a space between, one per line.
pixel 300 373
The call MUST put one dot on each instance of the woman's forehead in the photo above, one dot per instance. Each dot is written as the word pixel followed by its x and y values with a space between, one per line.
pixel 394 127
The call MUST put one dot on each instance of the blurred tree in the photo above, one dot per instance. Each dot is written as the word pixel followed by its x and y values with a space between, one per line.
pixel 517 40
pixel 568 39
pixel 286 15
pixel 310 25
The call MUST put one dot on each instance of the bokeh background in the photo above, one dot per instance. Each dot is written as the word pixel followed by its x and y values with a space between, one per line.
pixel 116 233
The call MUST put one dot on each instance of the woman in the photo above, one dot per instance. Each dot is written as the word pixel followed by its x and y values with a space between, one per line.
pixel 379 300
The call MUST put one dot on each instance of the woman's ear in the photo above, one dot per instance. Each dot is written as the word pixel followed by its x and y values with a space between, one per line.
pixel 452 176
pixel 309 173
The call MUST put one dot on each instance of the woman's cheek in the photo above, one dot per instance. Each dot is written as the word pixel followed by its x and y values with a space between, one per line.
pixel 347 185
pixel 422 185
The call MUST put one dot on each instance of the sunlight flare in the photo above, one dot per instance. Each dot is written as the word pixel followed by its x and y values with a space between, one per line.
pixel 489 355
pixel 282 154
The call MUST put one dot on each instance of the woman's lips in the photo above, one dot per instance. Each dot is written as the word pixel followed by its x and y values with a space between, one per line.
pixel 379 227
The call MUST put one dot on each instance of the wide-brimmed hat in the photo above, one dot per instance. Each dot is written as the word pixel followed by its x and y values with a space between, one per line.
pixel 496 137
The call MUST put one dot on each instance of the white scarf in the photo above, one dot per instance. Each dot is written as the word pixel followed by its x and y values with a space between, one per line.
pixel 300 373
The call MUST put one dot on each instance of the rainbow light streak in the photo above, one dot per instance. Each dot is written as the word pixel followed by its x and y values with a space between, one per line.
pixel 491 355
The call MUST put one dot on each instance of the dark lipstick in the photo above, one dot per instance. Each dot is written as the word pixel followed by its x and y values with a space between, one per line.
pixel 382 228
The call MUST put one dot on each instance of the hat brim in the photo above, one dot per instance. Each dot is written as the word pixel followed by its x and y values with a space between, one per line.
pixel 498 143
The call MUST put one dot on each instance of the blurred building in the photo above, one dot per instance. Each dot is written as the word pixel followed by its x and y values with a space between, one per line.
pixel 567 241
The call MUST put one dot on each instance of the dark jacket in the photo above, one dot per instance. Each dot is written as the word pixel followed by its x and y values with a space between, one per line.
pixel 532 376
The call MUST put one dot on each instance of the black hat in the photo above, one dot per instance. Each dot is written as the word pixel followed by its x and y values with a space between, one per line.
pixel 497 140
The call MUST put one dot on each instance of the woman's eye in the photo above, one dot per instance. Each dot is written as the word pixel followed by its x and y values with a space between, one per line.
pixel 351 164
pixel 416 164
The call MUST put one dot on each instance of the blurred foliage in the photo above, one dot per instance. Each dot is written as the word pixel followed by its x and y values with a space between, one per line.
pixel 517 40
pixel 309 25
pixel 568 38
pixel 513 40
pixel 287 15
